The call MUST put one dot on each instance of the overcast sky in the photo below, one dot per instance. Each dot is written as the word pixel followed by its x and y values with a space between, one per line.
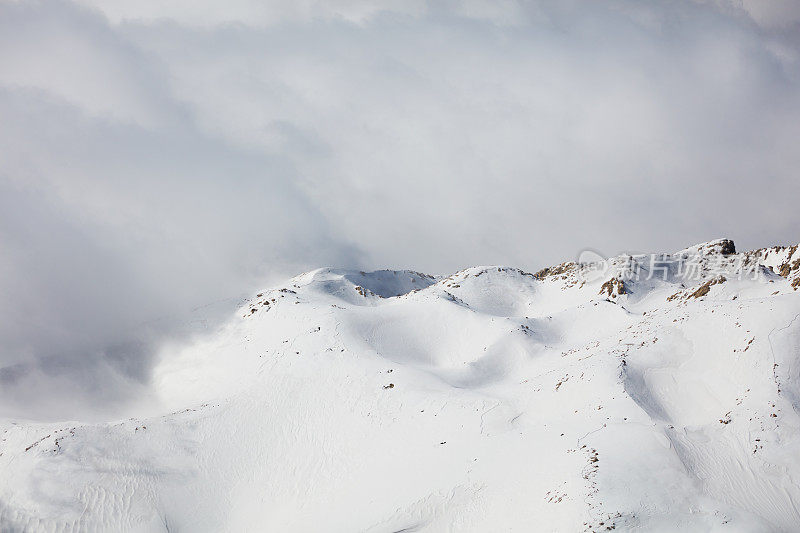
pixel 156 156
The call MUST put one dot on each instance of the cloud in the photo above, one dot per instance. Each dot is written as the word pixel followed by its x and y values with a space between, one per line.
pixel 110 230
pixel 250 12
pixel 161 156
pixel 619 121
pixel 115 224
pixel 773 14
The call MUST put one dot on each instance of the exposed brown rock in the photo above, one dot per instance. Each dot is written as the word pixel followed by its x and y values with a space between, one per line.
pixel 706 287
pixel 613 287
pixel 727 247
pixel 563 268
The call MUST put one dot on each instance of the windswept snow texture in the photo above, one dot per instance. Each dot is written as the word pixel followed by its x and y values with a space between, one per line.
pixel 574 399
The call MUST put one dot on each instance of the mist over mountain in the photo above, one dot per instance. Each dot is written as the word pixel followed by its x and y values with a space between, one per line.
pixel 167 167
pixel 158 157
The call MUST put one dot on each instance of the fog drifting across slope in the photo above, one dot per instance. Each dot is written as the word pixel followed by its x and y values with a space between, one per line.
pixel 156 157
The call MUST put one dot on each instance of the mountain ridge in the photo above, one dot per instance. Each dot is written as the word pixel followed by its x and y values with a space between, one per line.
pixel 654 392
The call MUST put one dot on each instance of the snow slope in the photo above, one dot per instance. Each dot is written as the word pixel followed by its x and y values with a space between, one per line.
pixel 580 398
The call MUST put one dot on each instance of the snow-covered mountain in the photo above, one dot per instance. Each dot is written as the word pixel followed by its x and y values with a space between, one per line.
pixel 651 393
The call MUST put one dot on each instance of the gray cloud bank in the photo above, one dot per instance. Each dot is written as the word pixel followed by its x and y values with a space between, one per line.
pixel 156 156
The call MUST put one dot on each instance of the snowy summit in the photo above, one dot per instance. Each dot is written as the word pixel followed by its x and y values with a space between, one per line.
pixel 645 392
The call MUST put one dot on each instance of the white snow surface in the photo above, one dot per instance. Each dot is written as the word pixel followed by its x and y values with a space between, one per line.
pixel 489 400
